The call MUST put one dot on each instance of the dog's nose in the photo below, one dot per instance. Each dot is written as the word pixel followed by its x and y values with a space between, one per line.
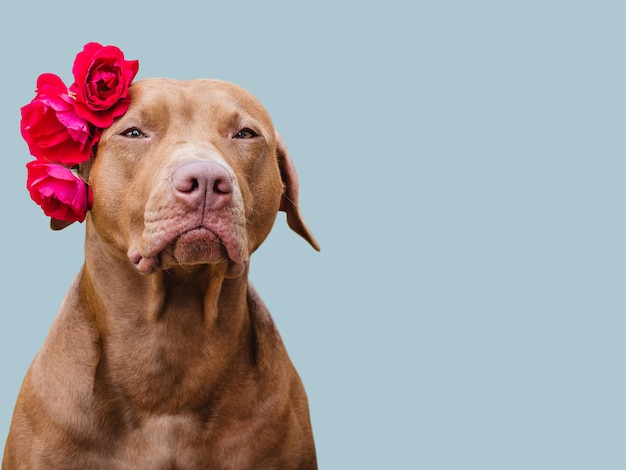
pixel 207 184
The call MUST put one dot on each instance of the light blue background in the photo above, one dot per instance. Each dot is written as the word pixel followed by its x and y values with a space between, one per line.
pixel 462 165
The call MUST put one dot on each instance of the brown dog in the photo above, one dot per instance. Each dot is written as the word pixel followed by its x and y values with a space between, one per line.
pixel 162 355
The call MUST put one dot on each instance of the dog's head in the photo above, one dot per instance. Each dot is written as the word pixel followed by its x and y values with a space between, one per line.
pixel 193 173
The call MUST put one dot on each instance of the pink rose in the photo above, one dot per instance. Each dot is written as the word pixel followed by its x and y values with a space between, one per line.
pixel 51 127
pixel 101 81
pixel 60 193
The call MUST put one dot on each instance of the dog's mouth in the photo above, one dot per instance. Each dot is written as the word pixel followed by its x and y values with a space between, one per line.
pixel 195 246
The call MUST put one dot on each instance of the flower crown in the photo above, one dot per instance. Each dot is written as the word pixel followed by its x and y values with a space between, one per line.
pixel 62 125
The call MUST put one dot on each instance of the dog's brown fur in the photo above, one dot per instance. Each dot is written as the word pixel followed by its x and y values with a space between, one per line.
pixel 162 355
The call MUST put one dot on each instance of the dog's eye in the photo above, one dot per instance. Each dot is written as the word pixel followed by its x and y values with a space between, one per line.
pixel 133 133
pixel 245 134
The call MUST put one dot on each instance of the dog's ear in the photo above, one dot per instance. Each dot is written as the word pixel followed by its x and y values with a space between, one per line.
pixel 56 224
pixel 289 199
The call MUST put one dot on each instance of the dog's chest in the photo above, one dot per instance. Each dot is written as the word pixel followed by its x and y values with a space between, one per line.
pixel 171 442
pixel 163 442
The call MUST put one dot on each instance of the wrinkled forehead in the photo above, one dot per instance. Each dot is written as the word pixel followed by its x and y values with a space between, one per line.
pixel 200 100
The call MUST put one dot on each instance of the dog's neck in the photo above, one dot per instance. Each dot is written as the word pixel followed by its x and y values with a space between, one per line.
pixel 200 291
pixel 172 321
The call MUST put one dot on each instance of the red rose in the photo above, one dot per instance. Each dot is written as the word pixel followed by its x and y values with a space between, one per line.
pixel 51 127
pixel 101 81
pixel 60 193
